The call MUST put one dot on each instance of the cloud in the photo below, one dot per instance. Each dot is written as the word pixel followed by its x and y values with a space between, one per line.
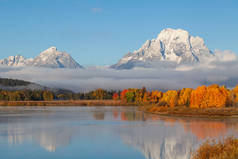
pixel 225 56
pixel 223 71
pixel 96 10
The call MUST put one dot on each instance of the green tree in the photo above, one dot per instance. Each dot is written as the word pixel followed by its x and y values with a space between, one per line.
pixel 130 96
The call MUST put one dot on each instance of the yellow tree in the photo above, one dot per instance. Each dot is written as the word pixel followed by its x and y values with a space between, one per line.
pixel 146 97
pixel 170 98
pixel 99 93
pixel 197 97
pixel 156 96
pixel 48 96
pixel 139 96
pixel 184 96
pixel 234 96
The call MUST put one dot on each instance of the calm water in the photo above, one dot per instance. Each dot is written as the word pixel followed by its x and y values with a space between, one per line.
pixel 103 133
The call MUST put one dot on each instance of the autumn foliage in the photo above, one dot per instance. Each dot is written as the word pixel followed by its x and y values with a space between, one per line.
pixel 201 97
pixel 234 96
pixel 115 96
pixel 211 96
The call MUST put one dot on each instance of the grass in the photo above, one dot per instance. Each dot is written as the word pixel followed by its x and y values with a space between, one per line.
pixel 225 149
pixel 191 112
pixel 64 103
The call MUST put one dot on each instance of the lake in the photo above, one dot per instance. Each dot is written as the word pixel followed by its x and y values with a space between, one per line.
pixel 103 133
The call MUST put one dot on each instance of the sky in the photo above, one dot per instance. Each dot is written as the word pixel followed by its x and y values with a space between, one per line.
pixel 100 32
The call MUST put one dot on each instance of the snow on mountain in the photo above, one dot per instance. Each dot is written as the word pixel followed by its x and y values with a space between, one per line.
pixel 171 48
pixel 55 59
pixel 50 58
pixel 17 60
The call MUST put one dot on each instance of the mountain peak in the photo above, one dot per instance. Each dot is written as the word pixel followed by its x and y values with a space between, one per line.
pixel 17 60
pixel 51 49
pixel 173 31
pixel 50 58
pixel 55 59
pixel 173 34
pixel 171 47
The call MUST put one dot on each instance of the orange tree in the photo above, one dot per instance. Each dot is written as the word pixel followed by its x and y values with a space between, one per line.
pixel 211 96
pixel 184 96
pixel 170 98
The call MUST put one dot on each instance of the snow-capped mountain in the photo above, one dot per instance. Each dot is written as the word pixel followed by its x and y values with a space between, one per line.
pixel 17 60
pixel 50 58
pixel 54 59
pixel 171 48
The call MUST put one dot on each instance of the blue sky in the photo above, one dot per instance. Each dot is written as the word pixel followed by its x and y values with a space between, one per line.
pixel 100 32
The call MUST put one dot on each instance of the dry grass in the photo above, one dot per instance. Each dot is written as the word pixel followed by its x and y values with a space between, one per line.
pixel 226 149
pixel 191 112
pixel 64 103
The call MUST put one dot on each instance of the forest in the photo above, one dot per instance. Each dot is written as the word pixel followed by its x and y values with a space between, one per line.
pixel 201 97
pixel 48 95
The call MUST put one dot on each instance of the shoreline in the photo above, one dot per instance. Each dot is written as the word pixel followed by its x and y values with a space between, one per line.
pixel 64 103
pixel 228 112
pixel 182 111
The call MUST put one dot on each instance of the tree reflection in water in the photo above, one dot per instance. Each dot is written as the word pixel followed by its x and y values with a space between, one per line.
pixel 154 136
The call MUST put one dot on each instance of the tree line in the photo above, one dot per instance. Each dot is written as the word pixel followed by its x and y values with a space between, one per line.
pixel 48 95
pixel 201 97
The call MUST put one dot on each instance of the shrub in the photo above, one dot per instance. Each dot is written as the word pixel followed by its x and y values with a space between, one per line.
pixel 225 149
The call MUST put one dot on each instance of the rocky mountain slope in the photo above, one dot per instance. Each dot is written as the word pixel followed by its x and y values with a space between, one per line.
pixel 171 48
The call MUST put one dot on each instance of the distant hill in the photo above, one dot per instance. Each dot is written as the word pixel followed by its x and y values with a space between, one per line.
pixel 6 82
pixel 16 84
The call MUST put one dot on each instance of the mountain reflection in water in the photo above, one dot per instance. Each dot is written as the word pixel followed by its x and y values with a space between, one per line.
pixel 152 136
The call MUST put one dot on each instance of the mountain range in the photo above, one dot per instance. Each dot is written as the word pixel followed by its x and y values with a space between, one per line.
pixel 50 58
pixel 171 48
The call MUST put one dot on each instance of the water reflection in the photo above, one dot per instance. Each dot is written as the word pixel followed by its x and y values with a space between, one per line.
pixel 45 133
pixel 162 141
pixel 153 136
pixel 205 129
pixel 99 115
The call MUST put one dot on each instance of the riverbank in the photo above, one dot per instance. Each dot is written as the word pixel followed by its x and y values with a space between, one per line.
pixel 211 149
pixel 65 103
pixel 162 110
pixel 191 112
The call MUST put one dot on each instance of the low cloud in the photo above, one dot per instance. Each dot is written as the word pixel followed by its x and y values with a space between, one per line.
pixel 225 56
pixel 223 71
